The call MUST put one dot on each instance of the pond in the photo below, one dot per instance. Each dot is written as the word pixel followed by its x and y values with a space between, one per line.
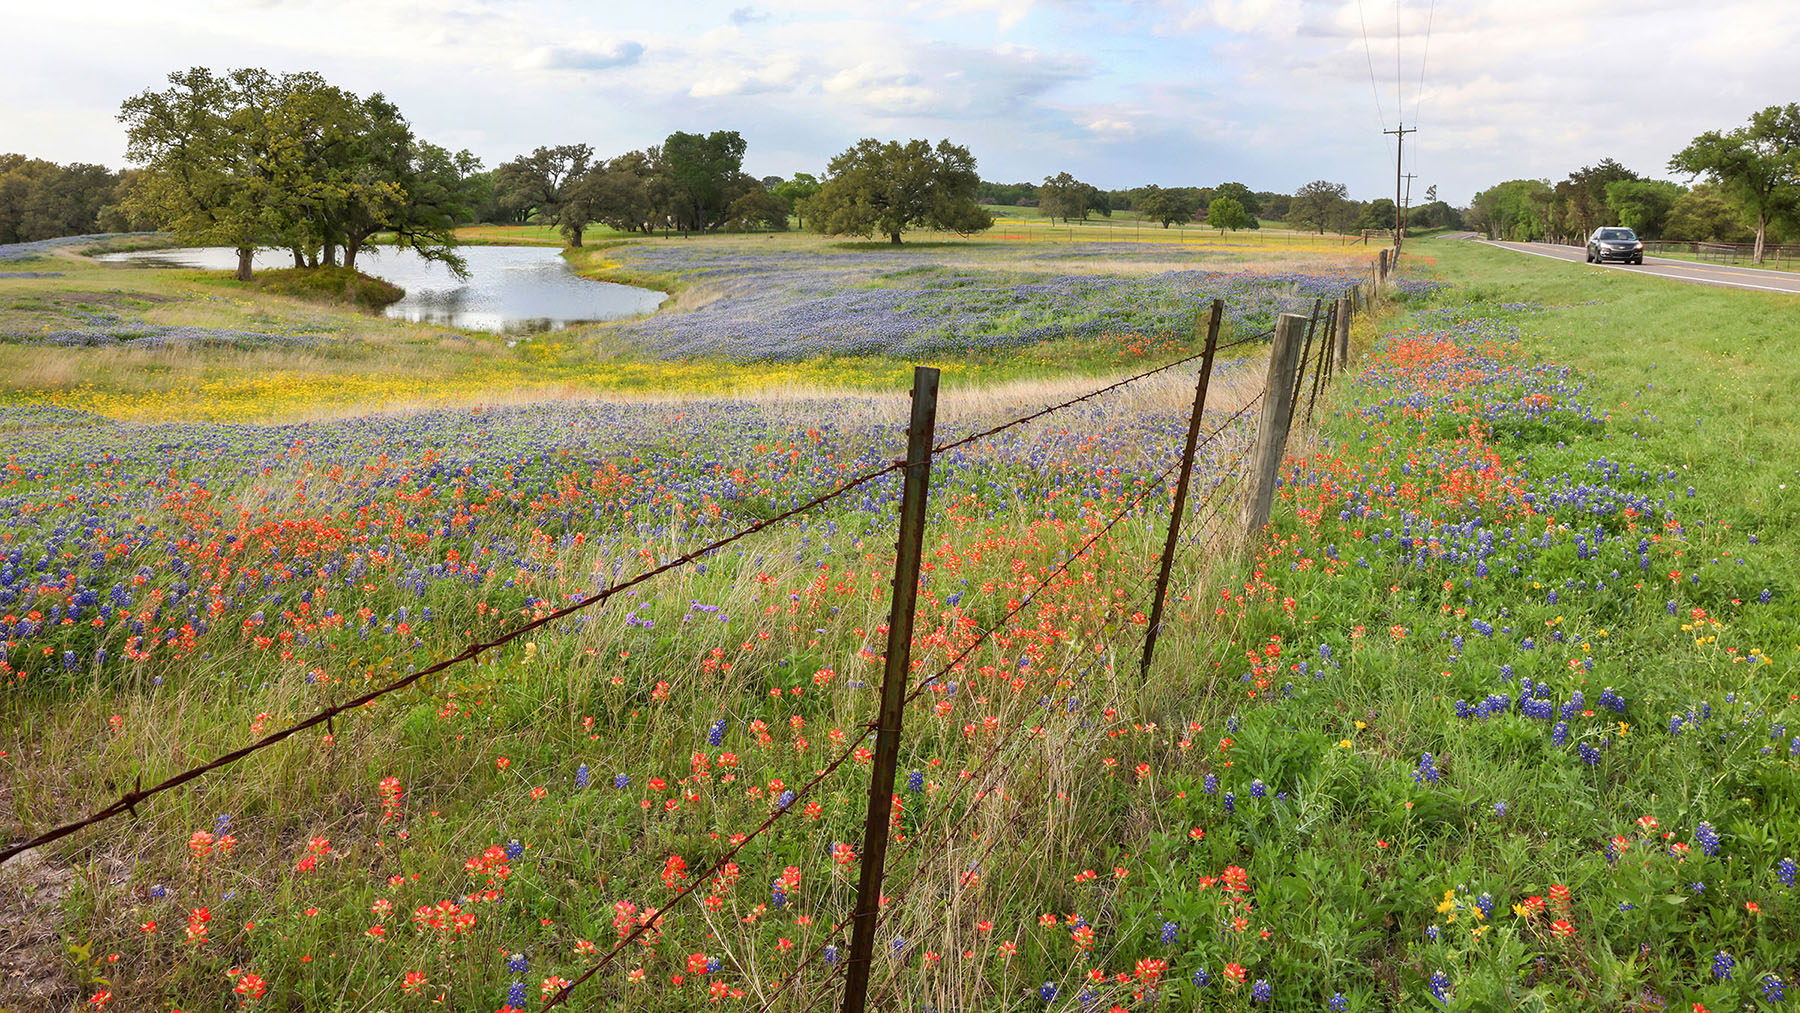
pixel 509 288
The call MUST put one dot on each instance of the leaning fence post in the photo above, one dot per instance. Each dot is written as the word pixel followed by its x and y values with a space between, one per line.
pixel 1272 429
pixel 1181 486
pixel 1343 333
pixel 919 436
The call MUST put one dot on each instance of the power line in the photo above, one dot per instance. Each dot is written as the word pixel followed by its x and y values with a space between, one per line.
pixel 1424 58
pixel 1399 102
pixel 1369 55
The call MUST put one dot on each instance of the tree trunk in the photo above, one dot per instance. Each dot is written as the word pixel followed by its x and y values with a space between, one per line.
pixel 894 238
pixel 350 255
pixel 1762 232
pixel 575 237
pixel 299 257
pixel 331 254
pixel 245 254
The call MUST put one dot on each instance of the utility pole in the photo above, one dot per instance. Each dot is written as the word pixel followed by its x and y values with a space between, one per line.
pixel 1399 133
pixel 1407 204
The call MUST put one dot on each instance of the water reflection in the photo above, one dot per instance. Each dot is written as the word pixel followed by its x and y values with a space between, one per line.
pixel 510 289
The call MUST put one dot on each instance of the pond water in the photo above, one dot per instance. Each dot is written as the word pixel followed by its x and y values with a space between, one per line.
pixel 509 288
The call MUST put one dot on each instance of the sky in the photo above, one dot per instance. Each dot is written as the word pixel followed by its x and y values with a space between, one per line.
pixel 1272 93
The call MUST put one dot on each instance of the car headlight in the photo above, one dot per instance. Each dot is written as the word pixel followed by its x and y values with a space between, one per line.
pixel 1639 246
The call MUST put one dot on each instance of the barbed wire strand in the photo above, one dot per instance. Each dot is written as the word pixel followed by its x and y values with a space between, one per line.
pixel 1094 394
pixel 128 802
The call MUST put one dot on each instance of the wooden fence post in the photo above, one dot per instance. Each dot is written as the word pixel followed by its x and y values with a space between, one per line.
pixel 1343 333
pixel 894 675
pixel 1272 429
pixel 1181 487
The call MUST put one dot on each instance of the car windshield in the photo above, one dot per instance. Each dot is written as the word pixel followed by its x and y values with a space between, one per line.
pixel 1616 234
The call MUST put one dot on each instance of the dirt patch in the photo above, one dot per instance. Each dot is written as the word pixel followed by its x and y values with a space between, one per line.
pixel 33 973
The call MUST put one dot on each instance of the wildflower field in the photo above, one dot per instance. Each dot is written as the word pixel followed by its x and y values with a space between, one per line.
pixel 1500 712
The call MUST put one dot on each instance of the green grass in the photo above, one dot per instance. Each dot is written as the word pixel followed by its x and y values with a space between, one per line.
pixel 1771 264
pixel 332 286
pixel 1346 873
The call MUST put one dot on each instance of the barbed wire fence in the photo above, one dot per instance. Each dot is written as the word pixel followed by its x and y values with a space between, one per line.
pixel 1290 350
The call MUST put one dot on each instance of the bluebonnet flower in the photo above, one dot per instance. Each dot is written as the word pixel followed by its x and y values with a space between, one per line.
pixel 1560 734
pixel 158 891
pixel 1338 1003
pixel 1201 978
pixel 222 823
pixel 514 849
pixel 1432 932
pixel 1427 771
pixel 517 963
pixel 582 776
pixel 786 799
pixel 1169 932
pixel 1262 991
pixel 515 995
pixel 1785 871
pixel 1707 838
pixel 1675 725
pixel 1232 724
pixel 1763 598
pixel 1773 988
pixel 778 894
pixel 713 964
pixel 1258 789
pixel 1589 755
pixel 1047 992
pixel 1499 808
pixel 1439 983
pixel 899 945
pixel 915 781
pixel 1486 903
pixel 1210 785
pixel 1697 886
pixel 1230 802
pixel 621 781
pixel 831 955
pixel 715 736
pixel 1722 964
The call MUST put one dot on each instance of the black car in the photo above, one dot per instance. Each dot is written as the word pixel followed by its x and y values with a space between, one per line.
pixel 1615 243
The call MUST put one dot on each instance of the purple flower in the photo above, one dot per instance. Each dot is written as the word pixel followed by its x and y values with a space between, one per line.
pixel 1427 772
pixel 1707 838
pixel 1722 963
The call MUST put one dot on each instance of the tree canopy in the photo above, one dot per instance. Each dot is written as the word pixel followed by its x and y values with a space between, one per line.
pixel 1317 205
pixel 251 159
pixel 1757 165
pixel 1225 213
pixel 887 187
pixel 1165 206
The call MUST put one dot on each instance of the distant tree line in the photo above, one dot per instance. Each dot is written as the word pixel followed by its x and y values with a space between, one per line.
pixel 1750 193
pixel 43 200
pixel 690 182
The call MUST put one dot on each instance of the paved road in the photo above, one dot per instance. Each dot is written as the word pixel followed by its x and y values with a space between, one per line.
pixel 1724 275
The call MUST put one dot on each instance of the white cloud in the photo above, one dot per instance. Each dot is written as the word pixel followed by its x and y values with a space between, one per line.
pixel 599 56
pixel 1273 92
